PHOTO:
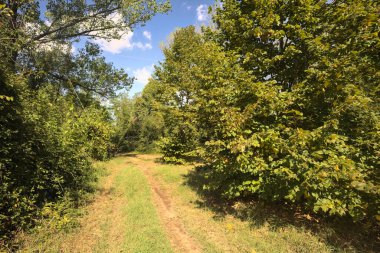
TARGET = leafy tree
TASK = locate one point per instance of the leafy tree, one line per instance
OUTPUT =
(175, 80)
(124, 138)
(297, 140)
(284, 97)
(52, 120)
(271, 37)
(139, 121)
(85, 74)
(69, 20)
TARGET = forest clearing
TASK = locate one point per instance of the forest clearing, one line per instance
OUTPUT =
(189, 126)
(143, 205)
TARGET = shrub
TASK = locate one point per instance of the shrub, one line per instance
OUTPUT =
(45, 152)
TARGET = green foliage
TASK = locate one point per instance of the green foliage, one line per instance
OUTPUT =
(23, 26)
(48, 158)
(177, 86)
(52, 121)
(139, 125)
(284, 100)
(123, 110)
(178, 147)
(93, 128)
(85, 74)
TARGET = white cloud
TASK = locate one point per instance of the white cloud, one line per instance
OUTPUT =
(116, 46)
(73, 49)
(47, 22)
(147, 35)
(143, 74)
(142, 46)
(202, 14)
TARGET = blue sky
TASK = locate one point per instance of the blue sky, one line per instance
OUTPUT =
(138, 52)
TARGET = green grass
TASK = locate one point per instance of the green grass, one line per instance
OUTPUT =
(222, 228)
(137, 221)
(144, 232)
(126, 220)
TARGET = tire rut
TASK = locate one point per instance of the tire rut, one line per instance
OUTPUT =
(177, 234)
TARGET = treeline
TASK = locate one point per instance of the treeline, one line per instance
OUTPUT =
(53, 122)
(280, 99)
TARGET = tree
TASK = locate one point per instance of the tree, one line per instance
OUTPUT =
(51, 116)
(139, 121)
(284, 97)
(298, 137)
(271, 37)
(85, 74)
(65, 21)
(200, 82)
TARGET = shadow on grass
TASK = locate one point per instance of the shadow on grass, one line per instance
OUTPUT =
(184, 160)
(342, 234)
(126, 155)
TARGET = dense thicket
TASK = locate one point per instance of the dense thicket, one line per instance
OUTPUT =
(139, 122)
(52, 121)
(281, 100)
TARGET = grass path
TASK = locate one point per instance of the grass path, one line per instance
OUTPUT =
(145, 206)
(121, 218)
(179, 238)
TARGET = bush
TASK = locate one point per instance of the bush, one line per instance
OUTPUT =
(179, 147)
(45, 153)
(308, 133)
(284, 97)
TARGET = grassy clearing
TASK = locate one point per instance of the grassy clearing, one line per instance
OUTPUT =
(120, 218)
(123, 218)
(250, 227)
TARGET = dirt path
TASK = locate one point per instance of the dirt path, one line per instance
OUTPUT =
(143, 206)
(180, 240)
(131, 212)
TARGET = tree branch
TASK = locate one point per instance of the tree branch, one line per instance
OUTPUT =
(72, 23)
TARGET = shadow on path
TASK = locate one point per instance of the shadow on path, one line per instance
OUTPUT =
(342, 234)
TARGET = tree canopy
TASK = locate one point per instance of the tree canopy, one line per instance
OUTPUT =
(53, 121)
(281, 101)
